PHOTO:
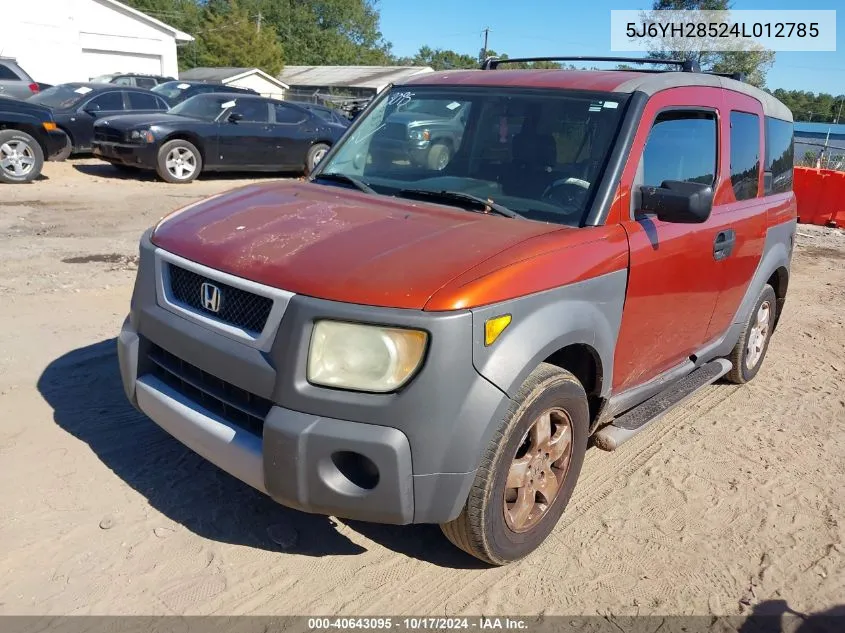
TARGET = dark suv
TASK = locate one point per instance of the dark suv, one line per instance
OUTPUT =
(138, 80)
(28, 137)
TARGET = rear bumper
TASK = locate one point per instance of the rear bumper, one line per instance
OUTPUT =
(143, 156)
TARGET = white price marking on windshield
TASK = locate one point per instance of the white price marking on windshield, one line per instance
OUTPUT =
(83, 90)
(611, 104)
(183, 86)
(228, 104)
(453, 105)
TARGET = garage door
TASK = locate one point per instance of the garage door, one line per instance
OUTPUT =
(97, 62)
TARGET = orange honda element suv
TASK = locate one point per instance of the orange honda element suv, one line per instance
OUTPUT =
(489, 270)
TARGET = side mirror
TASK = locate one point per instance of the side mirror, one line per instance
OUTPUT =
(91, 109)
(678, 201)
(235, 117)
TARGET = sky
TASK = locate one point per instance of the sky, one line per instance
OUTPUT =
(524, 28)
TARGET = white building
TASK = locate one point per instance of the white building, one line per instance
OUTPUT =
(58, 41)
(252, 78)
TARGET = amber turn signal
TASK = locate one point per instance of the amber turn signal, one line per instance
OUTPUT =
(494, 327)
(49, 126)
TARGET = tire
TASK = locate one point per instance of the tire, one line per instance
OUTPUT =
(490, 526)
(438, 156)
(760, 319)
(21, 157)
(189, 168)
(316, 153)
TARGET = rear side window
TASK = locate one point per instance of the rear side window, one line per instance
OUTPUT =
(681, 146)
(745, 154)
(141, 101)
(285, 114)
(123, 81)
(779, 155)
(145, 82)
(7, 73)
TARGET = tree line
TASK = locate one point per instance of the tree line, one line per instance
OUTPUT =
(268, 34)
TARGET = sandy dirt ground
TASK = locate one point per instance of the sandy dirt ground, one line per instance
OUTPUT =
(735, 499)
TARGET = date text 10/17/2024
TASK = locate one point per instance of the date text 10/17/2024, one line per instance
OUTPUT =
(417, 624)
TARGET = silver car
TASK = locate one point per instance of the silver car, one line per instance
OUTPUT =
(14, 81)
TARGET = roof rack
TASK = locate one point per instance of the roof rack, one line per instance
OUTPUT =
(686, 65)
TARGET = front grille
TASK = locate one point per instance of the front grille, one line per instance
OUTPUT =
(396, 131)
(237, 307)
(233, 404)
(108, 135)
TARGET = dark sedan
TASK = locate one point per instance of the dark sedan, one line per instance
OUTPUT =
(178, 91)
(217, 132)
(76, 106)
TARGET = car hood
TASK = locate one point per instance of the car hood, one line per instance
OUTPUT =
(129, 121)
(333, 243)
(417, 118)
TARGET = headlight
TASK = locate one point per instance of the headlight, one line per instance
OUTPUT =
(419, 135)
(364, 357)
(142, 135)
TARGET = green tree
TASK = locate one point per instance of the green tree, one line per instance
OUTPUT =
(440, 59)
(325, 32)
(230, 36)
(754, 63)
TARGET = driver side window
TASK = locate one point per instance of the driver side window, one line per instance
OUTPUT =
(253, 111)
(108, 102)
(681, 146)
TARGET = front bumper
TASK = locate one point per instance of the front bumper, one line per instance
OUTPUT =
(143, 156)
(55, 142)
(406, 457)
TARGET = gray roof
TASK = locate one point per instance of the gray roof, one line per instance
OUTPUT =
(655, 82)
(212, 74)
(375, 77)
(649, 83)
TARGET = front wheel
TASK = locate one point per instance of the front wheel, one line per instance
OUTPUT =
(316, 153)
(179, 161)
(528, 471)
(21, 157)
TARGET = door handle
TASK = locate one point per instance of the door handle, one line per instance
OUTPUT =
(723, 245)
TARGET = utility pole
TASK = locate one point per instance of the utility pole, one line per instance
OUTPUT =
(486, 32)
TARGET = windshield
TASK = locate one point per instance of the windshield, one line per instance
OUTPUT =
(61, 97)
(102, 79)
(539, 153)
(207, 106)
(170, 89)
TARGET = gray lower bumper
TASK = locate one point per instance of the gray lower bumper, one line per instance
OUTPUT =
(302, 461)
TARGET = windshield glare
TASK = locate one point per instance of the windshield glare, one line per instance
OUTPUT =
(539, 153)
(207, 106)
(61, 97)
(168, 89)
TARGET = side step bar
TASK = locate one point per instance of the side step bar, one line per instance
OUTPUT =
(627, 425)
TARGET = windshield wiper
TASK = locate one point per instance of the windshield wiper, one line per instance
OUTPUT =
(487, 205)
(350, 180)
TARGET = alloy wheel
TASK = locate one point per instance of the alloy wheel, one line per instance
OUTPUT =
(17, 158)
(538, 470)
(181, 163)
